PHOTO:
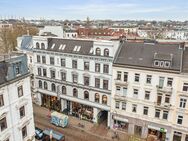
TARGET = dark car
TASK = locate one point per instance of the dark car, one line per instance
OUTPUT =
(38, 133)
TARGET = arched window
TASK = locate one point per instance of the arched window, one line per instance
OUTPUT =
(106, 52)
(97, 97)
(75, 92)
(37, 45)
(40, 84)
(104, 99)
(45, 85)
(64, 91)
(86, 95)
(42, 46)
(98, 51)
(53, 87)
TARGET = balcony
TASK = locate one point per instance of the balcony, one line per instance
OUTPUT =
(120, 97)
(121, 83)
(164, 89)
(162, 105)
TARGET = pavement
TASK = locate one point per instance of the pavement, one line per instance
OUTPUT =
(90, 131)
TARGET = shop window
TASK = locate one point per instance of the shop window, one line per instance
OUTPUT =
(120, 125)
(45, 85)
(20, 91)
(75, 92)
(86, 95)
(106, 52)
(64, 90)
(104, 99)
(1, 101)
(3, 124)
(53, 87)
(97, 97)
(40, 84)
(37, 45)
(98, 51)
(138, 130)
(24, 132)
(42, 46)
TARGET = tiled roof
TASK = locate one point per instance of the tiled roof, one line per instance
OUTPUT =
(142, 54)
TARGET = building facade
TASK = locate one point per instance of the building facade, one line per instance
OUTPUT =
(16, 111)
(149, 91)
(74, 76)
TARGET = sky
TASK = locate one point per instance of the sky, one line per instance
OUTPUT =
(95, 9)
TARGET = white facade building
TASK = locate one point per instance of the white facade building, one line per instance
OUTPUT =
(149, 91)
(16, 111)
(74, 76)
(177, 34)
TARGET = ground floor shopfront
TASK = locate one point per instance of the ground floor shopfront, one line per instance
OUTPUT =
(85, 112)
(141, 128)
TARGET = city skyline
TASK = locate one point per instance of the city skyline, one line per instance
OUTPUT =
(105, 9)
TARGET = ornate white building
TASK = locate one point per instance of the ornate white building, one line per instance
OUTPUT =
(16, 111)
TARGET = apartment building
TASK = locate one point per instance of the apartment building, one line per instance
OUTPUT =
(149, 90)
(74, 76)
(16, 111)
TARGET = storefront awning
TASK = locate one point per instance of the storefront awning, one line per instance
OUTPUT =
(157, 128)
(121, 119)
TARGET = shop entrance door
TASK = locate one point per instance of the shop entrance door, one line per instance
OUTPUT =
(102, 117)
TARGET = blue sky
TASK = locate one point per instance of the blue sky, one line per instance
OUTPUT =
(96, 9)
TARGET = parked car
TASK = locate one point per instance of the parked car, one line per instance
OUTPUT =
(55, 136)
(38, 133)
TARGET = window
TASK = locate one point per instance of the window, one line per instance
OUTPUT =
(167, 98)
(74, 78)
(40, 84)
(125, 76)
(97, 97)
(156, 63)
(22, 112)
(86, 81)
(180, 119)
(3, 124)
(20, 91)
(63, 76)
(75, 92)
(63, 62)
(118, 75)
(134, 108)
(1, 101)
(52, 72)
(42, 46)
(183, 103)
(31, 60)
(118, 89)
(44, 73)
(185, 87)
(37, 45)
(105, 84)
(86, 95)
(123, 106)
(106, 52)
(104, 99)
(38, 58)
(165, 115)
(145, 111)
(137, 77)
(86, 65)
(44, 59)
(147, 95)
(148, 79)
(157, 113)
(97, 82)
(135, 92)
(124, 91)
(74, 64)
(98, 51)
(64, 90)
(45, 85)
(161, 82)
(52, 61)
(97, 67)
(39, 72)
(53, 87)
(117, 104)
(24, 132)
(18, 68)
(106, 68)
(167, 64)
(169, 82)
(159, 99)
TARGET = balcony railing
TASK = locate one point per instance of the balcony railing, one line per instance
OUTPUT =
(120, 97)
(164, 89)
(162, 105)
(120, 82)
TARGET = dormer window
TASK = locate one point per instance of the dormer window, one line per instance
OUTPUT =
(167, 64)
(37, 45)
(161, 63)
(106, 52)
(42, 46)
(98, 51)
(156, 63)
